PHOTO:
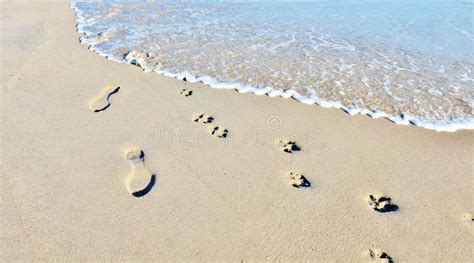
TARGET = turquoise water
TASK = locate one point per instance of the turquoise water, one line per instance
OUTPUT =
(409, 61)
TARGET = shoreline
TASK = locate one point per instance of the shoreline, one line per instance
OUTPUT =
(71, 148)
(137, 59)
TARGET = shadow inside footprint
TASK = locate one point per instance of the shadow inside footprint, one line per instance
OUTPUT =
(102, 102)
(382, 204)
(147, 189)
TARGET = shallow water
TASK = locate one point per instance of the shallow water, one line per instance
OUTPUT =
(404, 60)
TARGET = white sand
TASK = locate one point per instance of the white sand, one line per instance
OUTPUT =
(64, 169)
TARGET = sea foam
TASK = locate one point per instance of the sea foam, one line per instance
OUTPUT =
(406, 62)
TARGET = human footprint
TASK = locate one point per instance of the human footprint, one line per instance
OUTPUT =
(141, 180)
(102, 101)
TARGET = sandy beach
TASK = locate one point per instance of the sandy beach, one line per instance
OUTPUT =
(104, 162)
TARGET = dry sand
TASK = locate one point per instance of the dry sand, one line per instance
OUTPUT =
(68, 172)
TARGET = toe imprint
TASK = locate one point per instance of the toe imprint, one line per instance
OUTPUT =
(288, 146)
(102, 102)
(186, 92)
(141, 180)
(218, 131)
(202, 118)
(379, 256)
(381, 203)
(298, 180)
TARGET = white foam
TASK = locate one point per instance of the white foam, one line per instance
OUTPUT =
(136, 58)
(437, 125)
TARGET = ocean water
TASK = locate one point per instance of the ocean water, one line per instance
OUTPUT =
(407, 61)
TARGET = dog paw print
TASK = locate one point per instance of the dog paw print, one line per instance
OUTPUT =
(298, 180)
(186, 92)
(202, 118)
(218, 131)
(288, 146)
(381, 204)
(378, 255)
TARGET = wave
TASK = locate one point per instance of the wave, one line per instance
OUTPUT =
(133, 52)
